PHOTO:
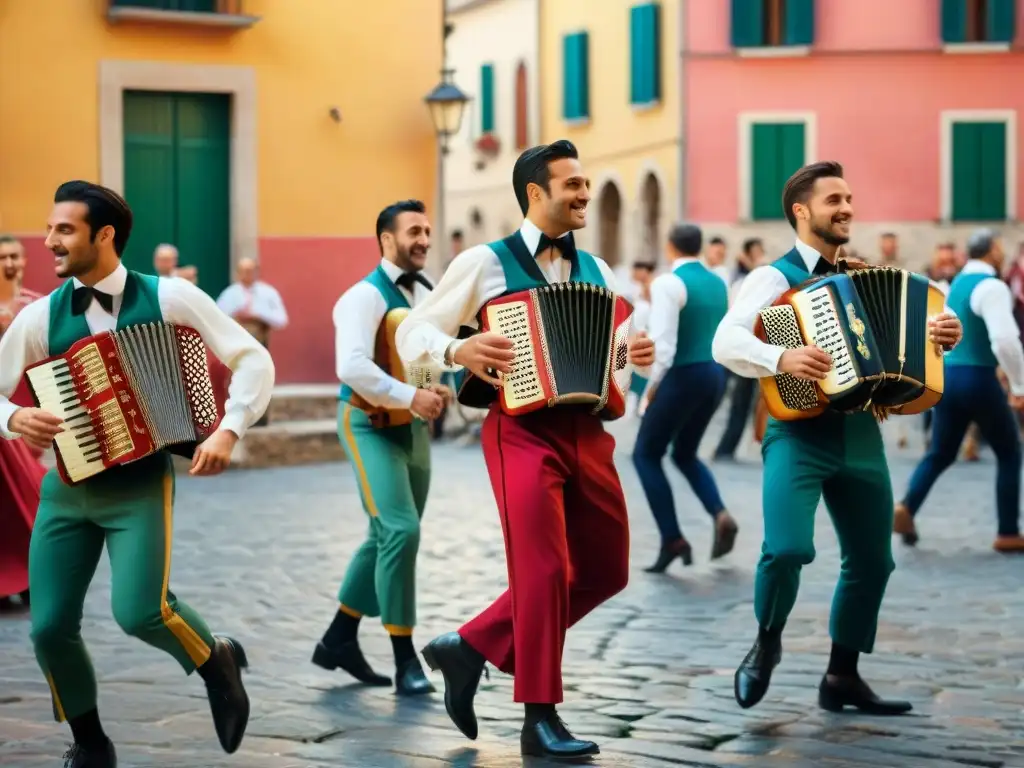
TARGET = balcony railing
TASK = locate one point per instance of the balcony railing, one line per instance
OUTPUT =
(207, 13)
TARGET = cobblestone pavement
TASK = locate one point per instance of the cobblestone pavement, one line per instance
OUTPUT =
(649, 674)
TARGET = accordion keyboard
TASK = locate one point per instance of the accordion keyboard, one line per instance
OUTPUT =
(821, 322)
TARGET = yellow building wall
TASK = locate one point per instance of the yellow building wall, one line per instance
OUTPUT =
(619, 143)
(374, 61)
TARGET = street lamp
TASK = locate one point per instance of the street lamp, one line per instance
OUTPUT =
(446, 103)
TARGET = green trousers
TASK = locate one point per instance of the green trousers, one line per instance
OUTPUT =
(392, 467)
(843, 459)
(130, 509)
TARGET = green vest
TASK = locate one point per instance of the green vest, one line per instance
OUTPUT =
(707, 301)
(975, 348)
(393, 298)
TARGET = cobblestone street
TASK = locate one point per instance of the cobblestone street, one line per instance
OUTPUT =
(649, 675)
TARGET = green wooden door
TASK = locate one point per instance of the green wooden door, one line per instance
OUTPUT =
(177, 149)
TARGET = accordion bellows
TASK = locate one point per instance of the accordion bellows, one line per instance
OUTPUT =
(874, 324)
(569, 340)
(124, 395)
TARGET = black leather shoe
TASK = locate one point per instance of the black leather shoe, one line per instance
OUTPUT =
(410, 679)
(229, 702)
(755, 673)
(670, 551)
(349, 657)
(93, 757)
(835, 693)
(461, 665)
(551, 739)
(725, 535)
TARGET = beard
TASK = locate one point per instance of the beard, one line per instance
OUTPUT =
(830, 237)
(405, 257)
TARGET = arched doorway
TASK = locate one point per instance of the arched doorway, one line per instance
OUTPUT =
(650, 222)
(609, 210)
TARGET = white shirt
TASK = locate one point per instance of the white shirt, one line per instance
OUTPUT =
(473, 278)
(252, 381)
(992, 301)
(357, 316)
(260, 300)
(668, 297)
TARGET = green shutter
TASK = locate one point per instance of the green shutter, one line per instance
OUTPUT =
(979, 172)
(203, 6)
(576, 86)
(777, 151)
(1001, 24)
(487, 98)
(645, 53)
(747, 23)
(954, 21)
(799, 19)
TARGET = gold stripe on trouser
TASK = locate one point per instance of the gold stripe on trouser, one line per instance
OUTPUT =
(396, 631)
(58, 708)
(350, 441)
(194, 645)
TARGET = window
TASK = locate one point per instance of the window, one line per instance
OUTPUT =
(776, 148)
(772, 23)
(576, 76)
(645, 53)
(203, 6)
(979, 166)
(487, 98)
(522, 108)
(978, 21)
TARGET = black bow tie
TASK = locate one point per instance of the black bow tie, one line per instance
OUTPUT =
(408, 280)
(823, 267)
(564, 245)
(82, 297)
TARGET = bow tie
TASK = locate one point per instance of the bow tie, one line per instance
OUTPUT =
(82, 297)
(408, 280)
(823, 267)
(564, 245)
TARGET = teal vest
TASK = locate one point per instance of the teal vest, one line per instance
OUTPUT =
(975, 348)
(707, 301)
(393, 298)
(139, 304)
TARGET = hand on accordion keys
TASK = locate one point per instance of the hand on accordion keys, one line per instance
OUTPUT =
(485, 353)
(37, 427)
(811, 363)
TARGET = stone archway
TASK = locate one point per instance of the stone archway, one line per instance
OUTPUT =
(650, 219)
(609, 211)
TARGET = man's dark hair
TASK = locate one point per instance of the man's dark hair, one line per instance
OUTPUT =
(751, 243)
(980, 243)
(105, 208)
(532, 168)
(5, 238)
(716, 240)
(456, 233)
(799, 186)
(885, 235)
(386, 219)
(687, 239)
(645, 265)
(948, 245)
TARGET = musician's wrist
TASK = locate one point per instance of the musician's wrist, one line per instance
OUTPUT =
(451, 351)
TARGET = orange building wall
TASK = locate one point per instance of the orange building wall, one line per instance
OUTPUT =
(320, 183)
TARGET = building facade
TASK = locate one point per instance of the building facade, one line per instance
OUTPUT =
(611, 86)
(274, 130)
(493, 52)
(917, 99)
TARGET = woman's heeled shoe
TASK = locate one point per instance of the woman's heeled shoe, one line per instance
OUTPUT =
(670, 551)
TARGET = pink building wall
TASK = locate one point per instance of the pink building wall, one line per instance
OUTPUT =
(877, 79)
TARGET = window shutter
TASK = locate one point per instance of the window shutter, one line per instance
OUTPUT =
(487, 98)
(992, 172)
(645, 53)
(747, 23)
(765, 198)
(954, 21)
(576, 89)
(1001, 24)
(799, 20)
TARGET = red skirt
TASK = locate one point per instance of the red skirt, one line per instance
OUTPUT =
(21, 475)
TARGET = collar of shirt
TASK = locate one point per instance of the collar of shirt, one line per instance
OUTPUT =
(808, 254)
(391, 269)
(112, 283)
(977, 266)
(679, 261)
(531, 236)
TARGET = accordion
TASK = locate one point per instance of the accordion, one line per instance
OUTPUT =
(874, 324)
(126, 394)
(569, 341)
(385, 356)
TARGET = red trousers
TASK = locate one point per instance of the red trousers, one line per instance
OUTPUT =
(21, 476)
(566, 532)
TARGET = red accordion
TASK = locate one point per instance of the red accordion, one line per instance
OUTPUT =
(124, 395)
(570, 339)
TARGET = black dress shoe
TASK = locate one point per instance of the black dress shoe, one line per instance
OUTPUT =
(229, 702)
(92, 757)
(349, 657)
(551, 739)
(461, 665)
(725, 535)
(835, 693)
(410, 679)
(670, 551)
(755, 673)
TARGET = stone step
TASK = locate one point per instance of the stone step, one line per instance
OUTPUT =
(289, 443)
(303, 402)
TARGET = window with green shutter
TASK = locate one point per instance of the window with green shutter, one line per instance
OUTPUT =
(201, 6)
(777, 150)
(978, 177)
(645, 53)
(979, 21)
(487, 98)
(576, 76)
(772, 23)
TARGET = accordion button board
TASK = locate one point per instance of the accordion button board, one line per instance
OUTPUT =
(823, 329)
